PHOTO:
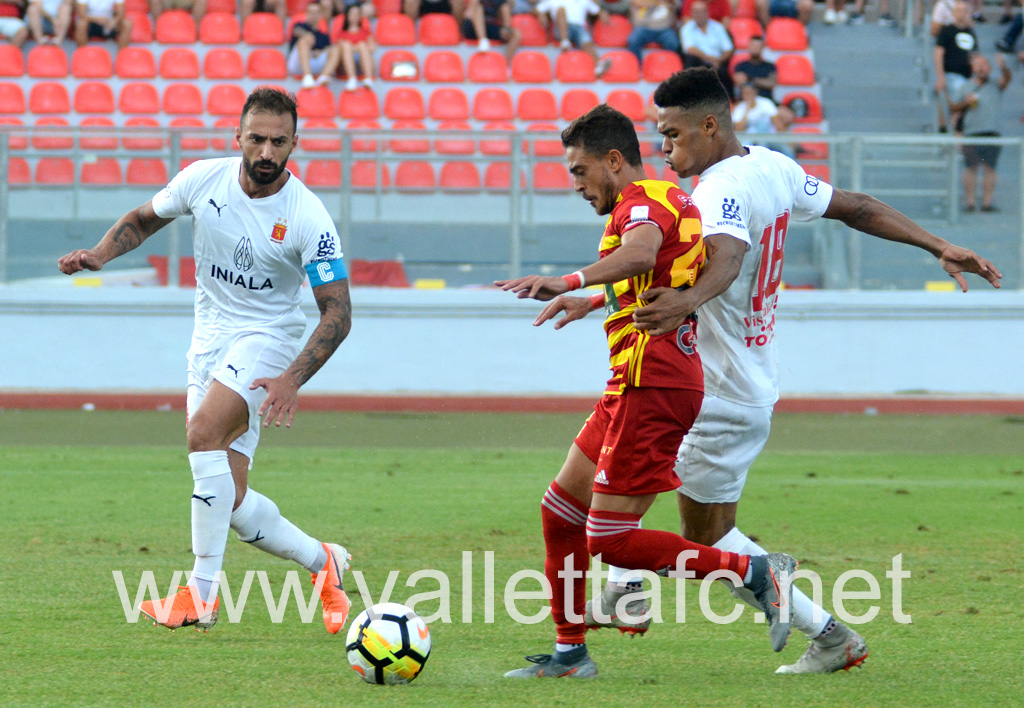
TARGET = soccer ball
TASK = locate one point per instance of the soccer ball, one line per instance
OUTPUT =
(388, 643)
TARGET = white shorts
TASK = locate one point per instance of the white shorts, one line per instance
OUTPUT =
(317, 62)
(10, 26)
(236, 365)
(719, 449)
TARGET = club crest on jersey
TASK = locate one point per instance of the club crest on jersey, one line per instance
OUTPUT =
(686, 338)
(244, 258)
(277, 235)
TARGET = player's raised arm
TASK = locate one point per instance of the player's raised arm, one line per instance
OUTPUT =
(126, 235)
(865, 213)
(335, 322)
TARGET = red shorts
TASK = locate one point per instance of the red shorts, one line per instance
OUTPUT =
(634, 438)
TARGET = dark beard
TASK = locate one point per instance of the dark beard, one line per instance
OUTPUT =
(250, 169)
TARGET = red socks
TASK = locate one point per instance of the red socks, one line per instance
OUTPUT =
(564, 518)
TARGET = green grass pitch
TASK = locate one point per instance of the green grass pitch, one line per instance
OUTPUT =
(84, 494)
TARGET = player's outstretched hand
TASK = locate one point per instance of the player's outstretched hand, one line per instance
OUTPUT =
(282, 400)
(575, 308)
(666, 311)
(956, 261)
(82, 259)
(538, 287)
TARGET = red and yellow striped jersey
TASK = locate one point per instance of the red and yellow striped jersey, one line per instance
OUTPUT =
(637, 358)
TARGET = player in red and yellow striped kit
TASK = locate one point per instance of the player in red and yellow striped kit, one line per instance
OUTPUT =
(625, 454)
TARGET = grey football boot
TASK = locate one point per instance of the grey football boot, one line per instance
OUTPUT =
(773, 591)
(575, 663)
(627, 623)
(839, 650)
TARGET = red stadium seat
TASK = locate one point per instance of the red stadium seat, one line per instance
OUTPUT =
(143, 133)
(498, 176)
(230, 126)
(366, 174)
(794, 70)
(94, 97)
(497, 146)
(820, 171)
(416, 175)
(358, 104)
(105, 170)
(52, 140)
(659, 64)
(316, 102)
(356, 127)
(323, 173)
(533, 34)
(443, 66)
(537, 104)
(575, 67)
(492, 104)
(139, 98)
(135, 63)
(742, 29)
(47, 61)
(183, 99)
(785, 34)
(17, 139)
(91, 62)
(448, 104)
(179, 63)
(18, 171)
(223, 63)
(810, 151)
(745, 8)
(266, 64)
(651, 171)
(399, 65)
(629, 102)
(150, 171)
(49, 97)
(227, 100)
(221, 6)
(454, 146)
(220, 28)
(625, 69)
(175, 27)
(460, 176)
(576, 102)
(805, 105)
(551, 176)
(142, 27)
(488, 68)
(263, 28)
(12, 98)
(404, 103)
(319, 144)
(407, 144)
(614, 33)
(55, 170)
(188, 142)
(438, 30)
(544, 147)
(387, 7)
(531, 67)
(12, 63)
(395, 31)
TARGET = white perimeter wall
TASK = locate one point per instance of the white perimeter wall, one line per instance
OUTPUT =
(482, 342)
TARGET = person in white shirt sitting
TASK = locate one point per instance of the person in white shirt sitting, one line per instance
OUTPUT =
(570, 18)
(706, 42)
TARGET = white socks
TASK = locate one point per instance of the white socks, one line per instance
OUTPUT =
(258, 521)
(803, 607)
(213, 495)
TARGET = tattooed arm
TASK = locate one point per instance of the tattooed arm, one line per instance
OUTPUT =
(127, 234)
(335, 322)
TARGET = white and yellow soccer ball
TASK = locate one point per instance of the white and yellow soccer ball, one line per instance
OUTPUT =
(388, 643)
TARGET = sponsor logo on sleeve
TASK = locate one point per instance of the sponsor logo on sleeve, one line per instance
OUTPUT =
(730, 210)
(325, 249)
(811, 186)
(639, 213)
(280, 228)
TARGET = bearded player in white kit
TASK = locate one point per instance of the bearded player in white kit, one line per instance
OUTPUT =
(746, 197)
(258, 234)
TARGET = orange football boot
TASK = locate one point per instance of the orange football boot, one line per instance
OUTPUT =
(332, 594)
(183, 611)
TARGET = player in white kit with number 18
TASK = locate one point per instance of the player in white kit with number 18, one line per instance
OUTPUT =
(258, 234)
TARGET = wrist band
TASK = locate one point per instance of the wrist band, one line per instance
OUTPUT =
(575, 280)
(597, 300)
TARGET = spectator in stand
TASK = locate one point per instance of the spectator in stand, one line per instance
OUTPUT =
(954, 46)
(719, 10)
(884, 18)
(49, 20)
(491, 20)
(980, 99)
(756, 70)
(278, 7)
(102, 19)
(570, 18)
(654, 21)
(12, 27)
(355, 39)
(1008, 43)
(340, 7)
(707, 43)
(196, 7)
(418, 8)
(942, 15)
(310, 50)
(754, 113)
(802, 10)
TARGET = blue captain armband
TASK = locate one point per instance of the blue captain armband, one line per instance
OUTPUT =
(326, 272)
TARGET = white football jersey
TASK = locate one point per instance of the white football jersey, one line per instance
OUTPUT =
(751, 198)
(252, 255)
